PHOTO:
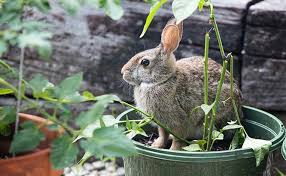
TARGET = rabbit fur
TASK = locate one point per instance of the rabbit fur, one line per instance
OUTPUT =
(170, 89)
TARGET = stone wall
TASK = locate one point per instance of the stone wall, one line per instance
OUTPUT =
(264, 58)
(91, 42)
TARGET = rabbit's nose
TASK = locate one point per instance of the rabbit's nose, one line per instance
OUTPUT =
(123, 69)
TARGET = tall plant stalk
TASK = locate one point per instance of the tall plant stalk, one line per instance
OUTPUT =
(222, 77)
(206, 80)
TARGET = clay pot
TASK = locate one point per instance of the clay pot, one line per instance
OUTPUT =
(35, 163)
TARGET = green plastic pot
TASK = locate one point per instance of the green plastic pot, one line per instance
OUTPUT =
(240, 162)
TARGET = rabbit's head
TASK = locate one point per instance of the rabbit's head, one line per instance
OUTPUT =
(155, 65)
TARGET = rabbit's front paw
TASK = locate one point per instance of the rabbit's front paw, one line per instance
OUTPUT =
(160, 142)
(177, 145)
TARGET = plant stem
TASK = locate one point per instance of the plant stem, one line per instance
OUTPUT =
(232, 95)
(232, 90)
(19, 97)
(135, 108)
(206, 86)
(154, 120)
(217, 99)
(214, 23)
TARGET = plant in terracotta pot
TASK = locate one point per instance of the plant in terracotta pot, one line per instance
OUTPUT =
(33, 145)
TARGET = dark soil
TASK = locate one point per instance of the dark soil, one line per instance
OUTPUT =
(218, 145)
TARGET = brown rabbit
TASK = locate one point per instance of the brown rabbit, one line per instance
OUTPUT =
(171, 89)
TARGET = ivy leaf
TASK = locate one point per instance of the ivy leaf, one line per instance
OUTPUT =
(182, 9)
(207, 108)
(152, 13)
(110, 142)
(71, 6)
(64, 152)
(260, 148)
(26, 139)
(40, 86)
(193, 148)
(69, 86)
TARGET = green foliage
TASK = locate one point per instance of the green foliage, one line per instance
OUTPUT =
(96, 112)
(152, 13)
(207, 108)
(64, 152)
(259, 146)
(134, 129)
(237, 140)
(68, 89)
(7, 116)
(40, 86)
(182, 9)
(193, 148)
(71, 6)
(26, 139)
(109, 142)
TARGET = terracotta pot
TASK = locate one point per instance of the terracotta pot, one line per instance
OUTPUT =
(35, 163)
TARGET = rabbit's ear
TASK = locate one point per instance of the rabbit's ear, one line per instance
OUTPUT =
(171, 36)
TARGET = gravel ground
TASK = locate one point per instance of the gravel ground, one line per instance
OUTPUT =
(97, 168)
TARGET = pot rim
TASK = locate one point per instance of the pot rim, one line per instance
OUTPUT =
(211, 156)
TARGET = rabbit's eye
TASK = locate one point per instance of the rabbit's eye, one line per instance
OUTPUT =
(145, 62)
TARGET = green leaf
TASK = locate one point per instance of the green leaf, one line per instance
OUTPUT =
(5, 129)
(6, 91)
(96, 112)
(3, 47)
(260, 148)
(88, 96)
(64, 152)
(135, 130)
(152, 13)
(87, 132)
(113, 9)
(232, 122)
(231, 127)
(74, 98)
(216, 135)
(193, 148)
(237, 139)
(207, 108)
(201, 5)
(110, 142)
(182, 9)
(7, 115)
(42, 5)
(40, 86)
(38, 40)
(26, 139)
(69, 86)
(71, 6)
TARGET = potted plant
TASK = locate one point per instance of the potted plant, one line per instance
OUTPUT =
(47, 143)
(245, 155)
